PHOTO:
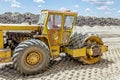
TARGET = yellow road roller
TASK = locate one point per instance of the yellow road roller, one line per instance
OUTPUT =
(31, 47)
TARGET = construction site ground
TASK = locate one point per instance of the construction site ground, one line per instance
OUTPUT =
(108, 68)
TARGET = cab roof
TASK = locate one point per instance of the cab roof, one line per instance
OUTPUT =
(59, 12)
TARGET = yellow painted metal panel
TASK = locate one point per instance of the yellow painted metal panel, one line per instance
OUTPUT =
(79, 52)
(5, 55)
(59, 12)
(69, 51)
(104, 48)
(1, 40)
(19, 27)
(45, 24)
(55, 51)
(76, 52)
(90, 52)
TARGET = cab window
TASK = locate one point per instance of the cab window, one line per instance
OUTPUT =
(42, 18)
(54, 22)
(68, 22)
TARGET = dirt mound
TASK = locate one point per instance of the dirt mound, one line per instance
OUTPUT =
(92, 21)
(16, 17)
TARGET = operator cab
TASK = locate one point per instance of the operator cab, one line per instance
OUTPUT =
(58, 25)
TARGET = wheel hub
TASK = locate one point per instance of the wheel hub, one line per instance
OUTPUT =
(33, 58)
(96, 51)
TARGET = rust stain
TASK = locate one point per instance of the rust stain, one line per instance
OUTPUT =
(66, 36)
(54, 37)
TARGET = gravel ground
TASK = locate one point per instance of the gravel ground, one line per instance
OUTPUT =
(70, 69)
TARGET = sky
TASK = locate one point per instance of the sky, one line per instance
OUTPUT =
(98, 8)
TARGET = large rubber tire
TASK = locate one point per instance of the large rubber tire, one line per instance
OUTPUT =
(24, 49)
(77, 42)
